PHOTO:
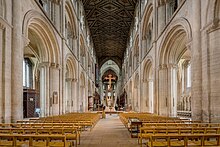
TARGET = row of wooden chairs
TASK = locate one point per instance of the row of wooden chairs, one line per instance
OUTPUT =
(14, 140)
(183, 140)
(181, 124)
(65, 127)
(145, 132)
(150, 118)
(70, 133)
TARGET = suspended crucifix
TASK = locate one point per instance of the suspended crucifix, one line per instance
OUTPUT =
(110, 78)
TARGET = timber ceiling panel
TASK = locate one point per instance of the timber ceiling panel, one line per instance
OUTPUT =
(109, 22)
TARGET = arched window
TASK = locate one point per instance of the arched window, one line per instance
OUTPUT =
(27, 73)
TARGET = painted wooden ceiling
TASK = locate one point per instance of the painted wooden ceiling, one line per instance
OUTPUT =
(109, 22)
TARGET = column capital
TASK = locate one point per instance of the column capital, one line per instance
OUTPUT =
(163, 66)
(44, 64)
(161, 2)
(69, 79)
(58, 2)
(144, 80)
(172, 65)
(54, 65)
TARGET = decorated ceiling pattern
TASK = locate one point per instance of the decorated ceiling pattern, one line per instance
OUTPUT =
(109, 22)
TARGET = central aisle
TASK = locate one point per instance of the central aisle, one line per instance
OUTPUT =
(109, 132)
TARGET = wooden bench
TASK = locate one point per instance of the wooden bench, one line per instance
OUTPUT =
(146, 131)
(70, 133)
(184, 140)
(34, 140)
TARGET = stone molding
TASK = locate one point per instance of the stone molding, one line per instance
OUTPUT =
(2, 26)
(44, 64)
(26, 41)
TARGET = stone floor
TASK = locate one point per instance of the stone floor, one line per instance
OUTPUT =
(109, 132)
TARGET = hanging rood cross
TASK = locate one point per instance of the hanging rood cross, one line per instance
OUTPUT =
(110, 78)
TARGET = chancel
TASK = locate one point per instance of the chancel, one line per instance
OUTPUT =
(63, 63)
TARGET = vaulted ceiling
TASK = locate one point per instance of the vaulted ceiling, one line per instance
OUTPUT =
(109, 22)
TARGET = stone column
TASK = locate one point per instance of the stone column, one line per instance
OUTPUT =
(74, 97)
(151, 95)
(196, 62)
(172, 89)
(163, 90)
(144, 99)
(68, 96)
(17, 62)
(1, 72)
(44, 89)
(54, 78)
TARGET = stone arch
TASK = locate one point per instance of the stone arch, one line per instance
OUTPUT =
(213, 12)
(136, 53)
(41, 38)
(148, 86)
(180, 29)
(69, 10)
(82, 51)
(35, 22)
(146, 19)
(147, 29)
(71, 64)
(115, 59)
(70, 101)
(172, 50)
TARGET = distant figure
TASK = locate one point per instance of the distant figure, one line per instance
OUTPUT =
(37, 112)
(103, 112)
